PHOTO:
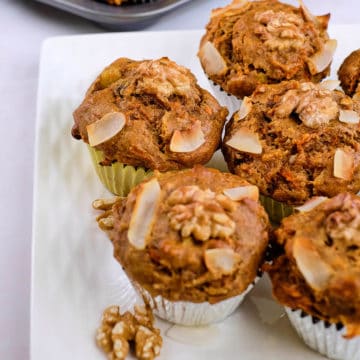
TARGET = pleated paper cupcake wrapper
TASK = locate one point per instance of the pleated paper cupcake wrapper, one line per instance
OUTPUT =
(327, 341)
(275, 209)
(225, 99)
(118, 178)
(192, 314)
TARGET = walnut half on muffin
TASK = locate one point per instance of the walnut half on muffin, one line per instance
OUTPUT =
(248, 43)
(193, 236)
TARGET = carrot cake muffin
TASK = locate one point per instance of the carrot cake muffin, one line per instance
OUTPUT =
(349, 73)
(248, 43)
(150, 114)
(295, 141)
(317, 275)
(192, 241)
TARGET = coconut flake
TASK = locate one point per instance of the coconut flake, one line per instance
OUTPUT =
(245, 140)
(329, 84)
(315, 271)
(349, 116)
(211, 59)
(143, 214)
(307, 14)
(311, 204)
(343, 164)
(188, 140)
(245, 108)
(322, 59)
(241, 192)
(105, 128)
(221, 261)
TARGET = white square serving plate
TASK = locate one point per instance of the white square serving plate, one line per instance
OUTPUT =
(74, 275)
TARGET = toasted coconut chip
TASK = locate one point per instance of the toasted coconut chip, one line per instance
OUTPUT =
(311, 204)
(245, 140)
(329, 84)
(349, 116)
(315, 271)
(322, 59)
(189, 140)
(307, 14)
(211, 59)
(245, 108)
(241, 192)
(221, 261)
(343, 164)
(105, 128)
(143, 214)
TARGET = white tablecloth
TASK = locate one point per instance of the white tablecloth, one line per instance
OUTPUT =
(24, 25)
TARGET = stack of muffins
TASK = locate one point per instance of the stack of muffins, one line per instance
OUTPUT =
(193, 239)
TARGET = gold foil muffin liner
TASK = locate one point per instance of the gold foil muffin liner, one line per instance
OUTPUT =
(275, 209)
(327, 341)
(192, 314)
(117, 178)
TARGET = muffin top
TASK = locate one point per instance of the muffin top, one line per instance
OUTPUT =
(193, 235)
(296, 140)
(349, 73)
(319, 271)
(262, 42)
(150, 113)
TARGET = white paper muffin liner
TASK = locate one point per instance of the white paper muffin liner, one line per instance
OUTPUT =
(192, 314)
(327, 341)
(225, 99)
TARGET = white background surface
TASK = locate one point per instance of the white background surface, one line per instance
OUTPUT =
(24, 25)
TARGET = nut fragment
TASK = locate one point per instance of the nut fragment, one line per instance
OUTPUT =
(241, 192)
(322, 59)
(147, 343)
(105, 204)
(199, 213)
(189, 140)
(349, 116)
(211, 59)
(343, 164)
(245, 108)
(311, 204)
(116, 330)
(245, 140)
(315, 271)
(105, 128)
(221, 261)
(143, 213)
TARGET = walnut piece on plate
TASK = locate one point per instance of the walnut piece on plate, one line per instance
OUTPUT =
(118, 332)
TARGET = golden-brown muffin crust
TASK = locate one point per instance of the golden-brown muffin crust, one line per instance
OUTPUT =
(319, 271)
(264, 42)
(299, 135)
(157, 98)
(193, 216)
(349, 73)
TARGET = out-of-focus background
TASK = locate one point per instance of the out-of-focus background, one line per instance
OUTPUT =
(24, 26)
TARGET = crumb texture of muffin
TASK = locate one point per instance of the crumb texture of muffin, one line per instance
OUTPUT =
(318, 271)
(295, 141)
(204, 241)
(349, 73)
(150, 114)
(248, 43)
